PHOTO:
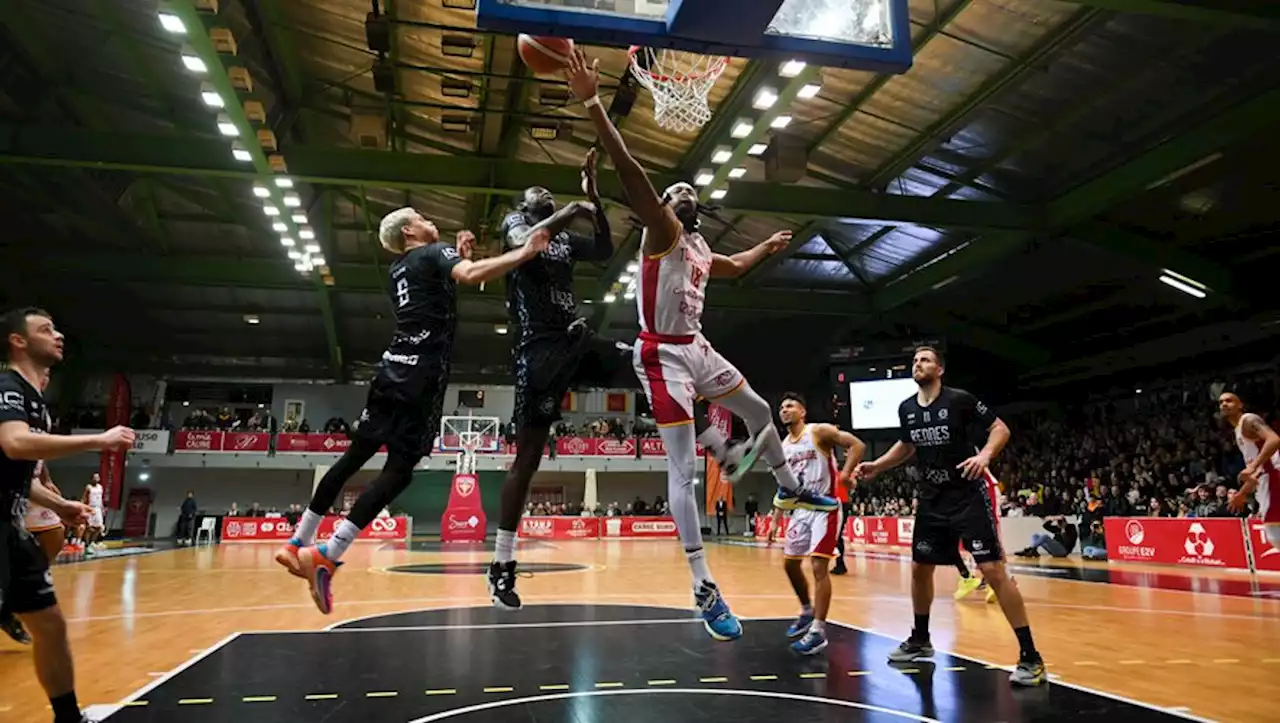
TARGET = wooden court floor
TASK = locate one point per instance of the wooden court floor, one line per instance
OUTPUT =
(132, 619)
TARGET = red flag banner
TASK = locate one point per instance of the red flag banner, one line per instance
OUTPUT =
(111, 464)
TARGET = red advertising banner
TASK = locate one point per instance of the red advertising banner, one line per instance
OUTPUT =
(111, 464)
(297, 443)
(310, 444)
(464, 519)
(1200, 541)
(246, 442)
(136, 512)
(1265, 557)
(612, 447)
(576, 447)
(278, 529)
(893, 531)
(560, 528)
(652, 447)
(640, 527)
(764, 524)
(190, 440)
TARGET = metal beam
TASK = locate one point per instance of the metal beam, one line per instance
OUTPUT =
(39, 145)
(798, 241)
(1262, 15)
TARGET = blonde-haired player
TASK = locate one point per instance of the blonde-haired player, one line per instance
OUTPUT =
(1260, 446)
(813, 534)
(673, 360)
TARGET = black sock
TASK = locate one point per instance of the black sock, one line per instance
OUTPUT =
(65, 708)
(963, 569)
(1026, 645)
(921, 629)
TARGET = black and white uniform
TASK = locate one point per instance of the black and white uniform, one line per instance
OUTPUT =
(25, 582)
(555, 349)
(406, 397)
(952, 509)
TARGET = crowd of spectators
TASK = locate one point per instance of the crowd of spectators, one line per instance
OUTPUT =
(637, 507)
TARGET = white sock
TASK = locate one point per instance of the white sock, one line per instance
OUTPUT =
(698, 565)
(342, 538)
(818, 626)
(505, 549)
(713, 439)
(806, 609)
(305, 532)
(756, 412)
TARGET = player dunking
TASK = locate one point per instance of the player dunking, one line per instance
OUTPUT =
(1260, 446)
(941, 426)
(406, 397)
(555, 349)
(810, 453)
(674, 362)
(34, 345)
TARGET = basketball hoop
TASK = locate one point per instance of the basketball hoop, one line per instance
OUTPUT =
(680, 82)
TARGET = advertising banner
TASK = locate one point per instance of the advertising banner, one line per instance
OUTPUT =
(259, 529)
(464, 519)
(1199, 541)
(560, 528)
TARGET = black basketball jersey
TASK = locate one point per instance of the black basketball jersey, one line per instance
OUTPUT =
(425, 298)
(945, 433)
(19, 402)
(540, 294)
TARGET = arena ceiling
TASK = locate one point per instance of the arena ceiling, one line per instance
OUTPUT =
(1019, 191)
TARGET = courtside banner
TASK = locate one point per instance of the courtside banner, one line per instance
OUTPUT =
(246, 442)
(640, 527)
(893, 531)
(1198, 541)
(560, 528)
(764, 523)
(192, 440)
(278, 529)
(1265, 557)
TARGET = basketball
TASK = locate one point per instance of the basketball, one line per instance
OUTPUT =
(543, 54)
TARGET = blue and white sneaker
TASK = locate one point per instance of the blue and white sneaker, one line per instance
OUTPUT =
(720, 623)
(812, 643)
(800, 626)
(804, 499)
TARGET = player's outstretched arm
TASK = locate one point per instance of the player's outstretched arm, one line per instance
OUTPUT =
(584, 81)
(19, 442)
(742, 262)
(69, 510)
(900, 452)
(474, 273)
(601, 246)
(829, 436)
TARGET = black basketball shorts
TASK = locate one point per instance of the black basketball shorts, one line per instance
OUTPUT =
(407, 424)
(548, 365)
(26, 584)
(940, 529)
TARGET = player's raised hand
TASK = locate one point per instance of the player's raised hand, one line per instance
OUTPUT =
(865, 470)
(466, 243)
(117, 438)
(589, 188)
(582, 75)
(777, 242)
(974, 467)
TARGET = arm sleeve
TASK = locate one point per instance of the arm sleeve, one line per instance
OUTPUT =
(904, 434)
(981, 414)
(443, 257)
(598, 247)
(13, 400)
(512, 230)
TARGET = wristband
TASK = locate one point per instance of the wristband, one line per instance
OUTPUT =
(592, 102)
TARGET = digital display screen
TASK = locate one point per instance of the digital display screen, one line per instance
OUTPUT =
(874, 404)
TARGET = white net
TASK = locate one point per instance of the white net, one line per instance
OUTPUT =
(680, 82)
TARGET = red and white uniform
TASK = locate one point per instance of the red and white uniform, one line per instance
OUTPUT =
(95, 501)
(1268, 477)
(40, 519)
(811, 533)
(674, 362)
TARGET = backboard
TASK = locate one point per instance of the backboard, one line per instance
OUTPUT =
(872, 35)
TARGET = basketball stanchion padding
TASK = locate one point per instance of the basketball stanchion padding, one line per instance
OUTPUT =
(543, 54)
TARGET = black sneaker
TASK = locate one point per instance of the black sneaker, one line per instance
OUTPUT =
(911, 650)
(12, 627)
(502, 585)
(840, 568)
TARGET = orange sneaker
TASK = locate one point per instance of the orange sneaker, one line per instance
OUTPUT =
(318, 570)
(288, 558)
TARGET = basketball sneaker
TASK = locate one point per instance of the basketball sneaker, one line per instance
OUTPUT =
(911, 650)
(840, 568)
(812, 643)
(13, 627)
(804, 499)
(287, 556)
(720, 623)
(967, 585)
(502, 585)
(800, 626)
(738, 458)
(318, 571)
(1029, 673)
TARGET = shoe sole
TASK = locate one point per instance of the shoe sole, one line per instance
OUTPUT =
(747, 462)
(319, 578)
(290, 563)
(913, 658)
(812, 651)
(1032, 683)
(718, 636)
(497, 603)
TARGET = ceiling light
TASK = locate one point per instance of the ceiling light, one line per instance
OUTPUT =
(295, 255)
(226, 127)
(279, 227)
(194, 63)
(299, 217)
(610, 298)
(633, 267)
(1184, 279)
(738, 172)
(781, 121)
(286, 242)
(317, 260)
(1183, 287)
(212, 99)
(791, 68)
(544, 131)
(270, 210)
(704, 178)
(240, 154)
(765, 98)
(252, 319)
(718, 194)
(624, 279)
(292, 200)
(261, 191)
(306, 233)
(172, 23)
(284, 182)
(722, 155)
(808, 90)
(757, 149)
(742, 129)
(312, 248)
(500, 328)
(302, 266)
